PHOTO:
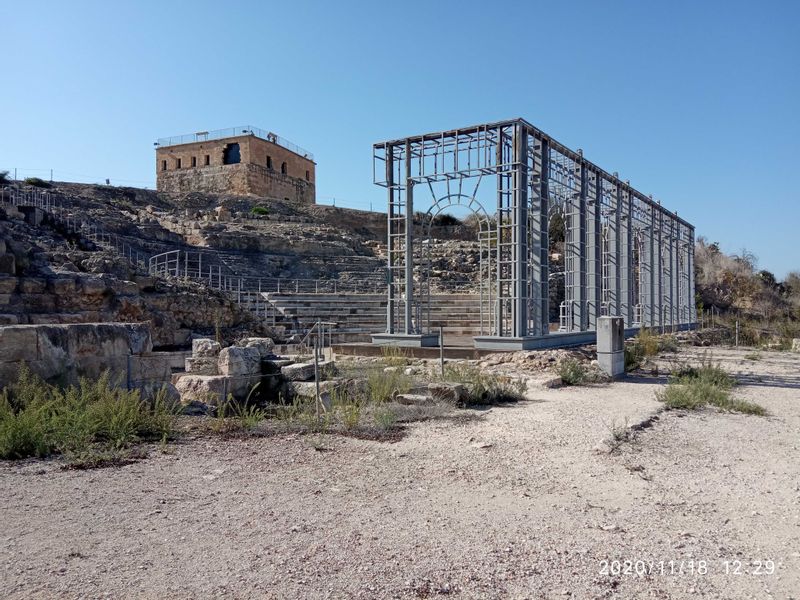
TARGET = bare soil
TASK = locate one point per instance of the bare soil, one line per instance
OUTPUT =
(518, 502)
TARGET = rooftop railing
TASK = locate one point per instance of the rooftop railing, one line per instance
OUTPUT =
(218, 134)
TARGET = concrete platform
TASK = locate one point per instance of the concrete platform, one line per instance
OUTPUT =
(406, 340)
(450, 352)
(552, 340)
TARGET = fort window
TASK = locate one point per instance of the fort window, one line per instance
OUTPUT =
(194, 161)
(177, 163)
(308, 175)
(208, 159)
(231, 155)
(283, 168)
(269, 163)
(163, 165)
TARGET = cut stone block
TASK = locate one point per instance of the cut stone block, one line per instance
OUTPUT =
(207, 389)
(202, 365)
(8, 285)
(235, 361)
(18, 343)
(299, 372)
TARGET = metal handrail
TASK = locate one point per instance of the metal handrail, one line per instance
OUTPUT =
(219, 134)
(319, 328)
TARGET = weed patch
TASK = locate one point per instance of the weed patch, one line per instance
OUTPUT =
(693, 388)
(485, 388)
(38, 419)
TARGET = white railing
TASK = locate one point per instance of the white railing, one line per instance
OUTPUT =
(59, 213)
(204, 267)
(319, 337)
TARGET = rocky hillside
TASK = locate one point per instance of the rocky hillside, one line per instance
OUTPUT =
(89, 260)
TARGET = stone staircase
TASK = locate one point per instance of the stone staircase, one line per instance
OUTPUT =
(360, 315)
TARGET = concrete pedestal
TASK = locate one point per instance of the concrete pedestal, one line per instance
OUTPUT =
(611, 346)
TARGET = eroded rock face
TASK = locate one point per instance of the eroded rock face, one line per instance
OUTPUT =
(796, 345)
(164, 389)
(452, 393)
(236, 361)
(205, 389)
(205, 347)
(265, 346)
(66, 352)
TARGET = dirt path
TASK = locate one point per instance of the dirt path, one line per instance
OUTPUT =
(513, 504)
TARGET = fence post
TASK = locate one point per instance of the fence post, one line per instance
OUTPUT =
(316, 377)
(737, 333)
(441, 349)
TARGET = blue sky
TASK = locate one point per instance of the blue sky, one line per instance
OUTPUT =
(694, 102)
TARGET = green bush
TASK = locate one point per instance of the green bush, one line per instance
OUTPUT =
(485, 388)
(572, 372)
(259, 211)
(708, 373)
(37, 182)
(38, 419)
(645, 345)
(4, 179)
(667, 343)
(445, 220)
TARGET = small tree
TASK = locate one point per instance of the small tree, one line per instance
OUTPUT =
(4, 178)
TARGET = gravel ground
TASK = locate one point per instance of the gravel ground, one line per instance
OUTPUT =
(517, 502)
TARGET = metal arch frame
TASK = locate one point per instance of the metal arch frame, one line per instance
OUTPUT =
(485, 238)
(533, 170)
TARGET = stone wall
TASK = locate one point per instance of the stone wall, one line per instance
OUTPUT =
(63, 353)
(259, 172)
(173, 312)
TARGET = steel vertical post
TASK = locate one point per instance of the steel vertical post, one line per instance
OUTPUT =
(390, 300)
(520, 166)
(614, 247)
(626, 257)
(577, 226)
(658, 305)
(539, 252)
(594, 283)
(409, 325)
(690, 270)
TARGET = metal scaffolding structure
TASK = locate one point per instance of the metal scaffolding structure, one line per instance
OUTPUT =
(625, 254)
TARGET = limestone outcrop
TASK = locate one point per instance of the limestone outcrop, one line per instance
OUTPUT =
(67, 352)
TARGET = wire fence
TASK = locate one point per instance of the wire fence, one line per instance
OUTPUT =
(20, 174)
(218, 134)
(740, 330)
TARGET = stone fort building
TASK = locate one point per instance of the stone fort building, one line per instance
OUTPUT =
(238, 160)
